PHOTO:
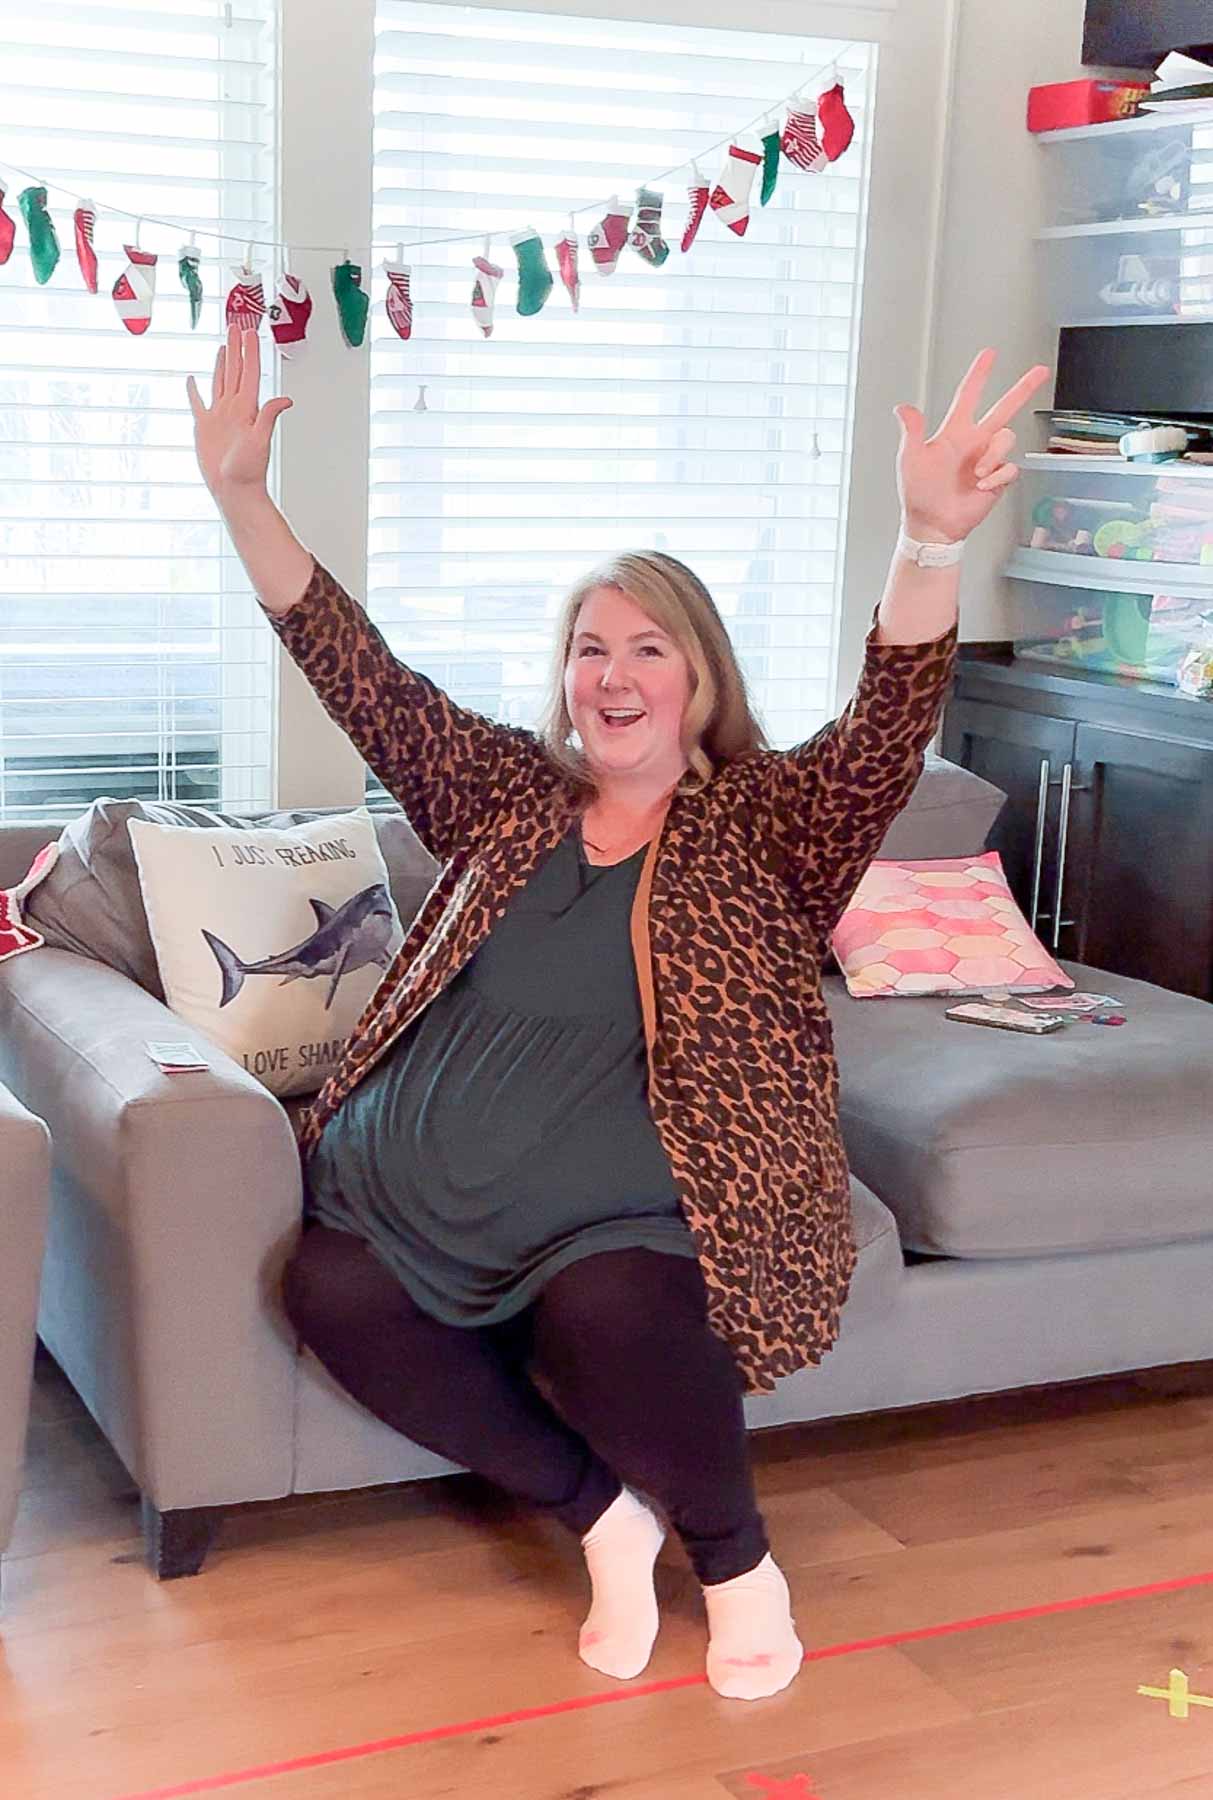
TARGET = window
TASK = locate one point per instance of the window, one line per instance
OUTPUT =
(133, 659)
(701, 407)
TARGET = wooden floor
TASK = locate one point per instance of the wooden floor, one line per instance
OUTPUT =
(343, 1626)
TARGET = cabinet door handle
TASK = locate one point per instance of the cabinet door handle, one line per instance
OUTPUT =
(1042, 802)
(1063, 832)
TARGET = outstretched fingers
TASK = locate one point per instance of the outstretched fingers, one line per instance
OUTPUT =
(1014, 398)
(250, 368)
(996, 452)
(964, 401)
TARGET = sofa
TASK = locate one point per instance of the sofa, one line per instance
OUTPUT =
(1026, 1210)
(25, 1163)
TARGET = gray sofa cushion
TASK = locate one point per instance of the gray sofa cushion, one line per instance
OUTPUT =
(950, 813)
(983, 1144)
(92, 903)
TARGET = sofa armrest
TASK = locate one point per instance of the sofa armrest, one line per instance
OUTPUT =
(24, 1177)
(175, 1202)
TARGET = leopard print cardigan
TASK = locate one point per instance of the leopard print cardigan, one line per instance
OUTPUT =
(740, 890)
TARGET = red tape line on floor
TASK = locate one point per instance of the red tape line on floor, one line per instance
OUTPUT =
(213, 1784)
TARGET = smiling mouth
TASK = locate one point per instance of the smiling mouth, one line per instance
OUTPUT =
(610, 724)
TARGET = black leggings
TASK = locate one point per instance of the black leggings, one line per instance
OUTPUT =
(650, 1394)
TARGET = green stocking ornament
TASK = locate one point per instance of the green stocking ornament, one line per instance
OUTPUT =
(191, 280)
(352, 304)
(43, 243)
(770, 164)
(534, 276)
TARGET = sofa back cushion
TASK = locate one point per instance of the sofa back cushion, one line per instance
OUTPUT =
(950, 813)
(91, 902)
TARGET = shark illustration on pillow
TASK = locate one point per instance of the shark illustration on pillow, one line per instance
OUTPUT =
(346, 938)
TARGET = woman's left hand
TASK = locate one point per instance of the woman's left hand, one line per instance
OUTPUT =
(950, 482)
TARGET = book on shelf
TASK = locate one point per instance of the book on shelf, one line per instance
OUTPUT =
(1075, 446)
(1182, 87)
(1099, 434)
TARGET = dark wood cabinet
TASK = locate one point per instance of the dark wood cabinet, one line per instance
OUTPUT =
(1107, 834)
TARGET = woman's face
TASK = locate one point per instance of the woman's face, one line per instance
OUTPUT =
(620, 658)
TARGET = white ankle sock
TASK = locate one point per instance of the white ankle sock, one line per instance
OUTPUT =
(620, 1550)
(753, 1649)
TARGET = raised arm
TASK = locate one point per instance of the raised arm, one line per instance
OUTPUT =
(443, 762)
(835, 796)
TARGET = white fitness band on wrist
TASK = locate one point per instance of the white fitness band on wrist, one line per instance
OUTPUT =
(929, 556)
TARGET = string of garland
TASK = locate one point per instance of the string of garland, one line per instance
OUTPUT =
(813, 135)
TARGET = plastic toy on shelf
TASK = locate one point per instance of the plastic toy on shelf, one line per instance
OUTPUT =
(1144, 636)
(1166, 528)
(1070, 525)
(1195, 676)
(1149, 283)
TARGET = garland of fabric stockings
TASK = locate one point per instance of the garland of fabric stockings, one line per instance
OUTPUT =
(812, 137)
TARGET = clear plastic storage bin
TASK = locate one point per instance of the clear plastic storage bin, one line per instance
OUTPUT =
(1128, 211)
(1144, 636)
(1115, 566)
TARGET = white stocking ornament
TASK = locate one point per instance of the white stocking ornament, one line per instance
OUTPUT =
(730, 199)
(399, 297)
(135, 290)
(484, 292)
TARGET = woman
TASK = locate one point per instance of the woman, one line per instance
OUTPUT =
(587, 1126)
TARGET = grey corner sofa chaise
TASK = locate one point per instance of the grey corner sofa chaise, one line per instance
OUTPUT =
(1027, 1211)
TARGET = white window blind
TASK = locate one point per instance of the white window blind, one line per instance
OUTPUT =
(133, 659)
(702, 408)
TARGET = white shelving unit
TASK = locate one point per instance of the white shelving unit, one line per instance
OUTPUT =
(1062, 460)
(1103, 261)
(1139, 126)
(1189, 581)
(1175, 223)
(1114, 247)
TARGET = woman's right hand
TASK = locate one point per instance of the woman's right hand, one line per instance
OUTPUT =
(232, 435)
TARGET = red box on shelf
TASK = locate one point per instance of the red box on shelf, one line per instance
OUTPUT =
(1086, 102)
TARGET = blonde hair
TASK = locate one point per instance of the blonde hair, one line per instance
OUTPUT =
(719, 722)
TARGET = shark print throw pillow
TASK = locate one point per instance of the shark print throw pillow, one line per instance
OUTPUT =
(270, 942)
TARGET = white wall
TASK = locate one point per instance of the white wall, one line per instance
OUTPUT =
(948, 268)
(324, 453)
(987, 291)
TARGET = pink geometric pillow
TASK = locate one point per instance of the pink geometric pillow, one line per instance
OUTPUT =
(945, 927)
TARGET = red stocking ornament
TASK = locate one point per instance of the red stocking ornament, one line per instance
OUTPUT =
(837, 125)
(801, 144)
(289, 315)
(697, 194)
(8, 231)
(608, 237)
(86, 256)
(566, 262)
(246, 302)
